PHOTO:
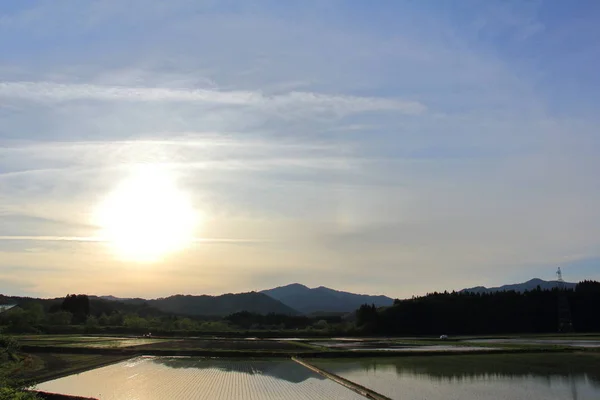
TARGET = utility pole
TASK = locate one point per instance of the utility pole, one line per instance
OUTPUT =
(564, 311)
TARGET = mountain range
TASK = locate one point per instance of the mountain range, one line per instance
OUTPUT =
(293, 299)
(205, 305)
(323, 299)
(521, 287)
(222, 305)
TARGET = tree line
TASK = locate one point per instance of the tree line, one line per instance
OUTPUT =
(78, 313)
(535, 311)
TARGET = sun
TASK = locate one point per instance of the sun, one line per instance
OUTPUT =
(147, 216)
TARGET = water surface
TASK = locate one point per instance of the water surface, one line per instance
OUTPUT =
(550, 342)
(382, 345)
(181, 378)
(477, 377)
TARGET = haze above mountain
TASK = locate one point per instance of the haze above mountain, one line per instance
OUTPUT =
(521, 287)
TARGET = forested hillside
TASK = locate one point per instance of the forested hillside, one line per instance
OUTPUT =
(533, 311)
(221, 305)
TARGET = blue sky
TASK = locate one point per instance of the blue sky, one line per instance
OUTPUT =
(394, 147)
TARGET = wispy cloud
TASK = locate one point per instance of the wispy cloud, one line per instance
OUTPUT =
(52, 238)
(339, 104)
(98, 239)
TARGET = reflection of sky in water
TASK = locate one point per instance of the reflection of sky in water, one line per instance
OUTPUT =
(194, 378)
(435, 378)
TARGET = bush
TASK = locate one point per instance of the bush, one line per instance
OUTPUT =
(9, 393)
(9, 360)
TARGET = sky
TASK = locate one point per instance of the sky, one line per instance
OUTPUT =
(390, 147)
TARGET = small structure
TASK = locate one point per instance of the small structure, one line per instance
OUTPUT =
(6, 307)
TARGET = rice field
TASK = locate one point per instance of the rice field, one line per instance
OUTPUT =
(387, 345)
(541, 375)
(117, 343)
(175, 378)
(224, 344)
(475, 377)
(539, 341)
(87, 341)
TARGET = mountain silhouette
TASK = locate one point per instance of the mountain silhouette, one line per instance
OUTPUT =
(323, 299)
(521, 287)
(222, 305)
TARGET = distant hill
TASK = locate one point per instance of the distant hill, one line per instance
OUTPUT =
(521, 287)
(220, 305)
(98, 305)
(322, 299)
(112, 298)
(179, 304)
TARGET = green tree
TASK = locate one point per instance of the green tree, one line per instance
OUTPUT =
(34, 313)
(116, 319)
(366, 315)
(91, 322)
(60, 318)
(321, 324)
(104, 320)
(135, 322)
(186, 324)
(214, 326)
(78, 305)
(17, 320)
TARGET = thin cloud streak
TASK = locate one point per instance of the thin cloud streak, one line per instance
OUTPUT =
(184, 139)
(97, 239)
(60, 92)
(53, 238)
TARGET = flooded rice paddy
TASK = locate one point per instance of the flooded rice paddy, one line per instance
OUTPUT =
(149, 378)
(477, 377)
(556, 342)
(551, 376)
(382, 345)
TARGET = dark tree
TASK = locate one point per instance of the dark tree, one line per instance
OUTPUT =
(78, 305)
(533, 311)
(366, 315)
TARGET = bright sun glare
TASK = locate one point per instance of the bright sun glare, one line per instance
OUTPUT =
(147, 216)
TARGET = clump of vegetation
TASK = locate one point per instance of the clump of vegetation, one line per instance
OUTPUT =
(10, 361)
